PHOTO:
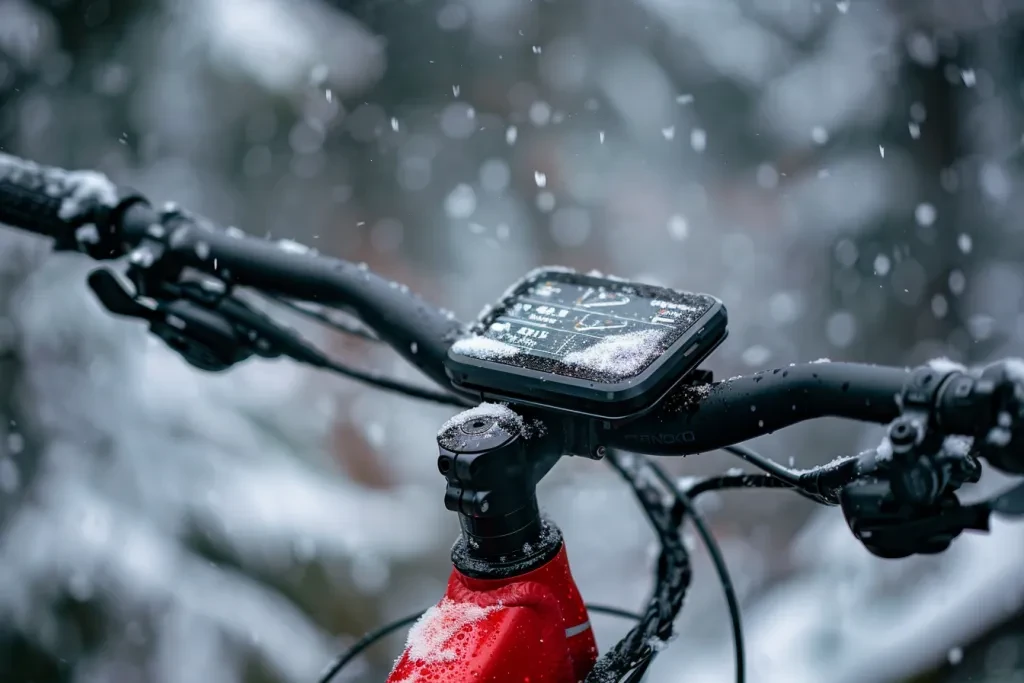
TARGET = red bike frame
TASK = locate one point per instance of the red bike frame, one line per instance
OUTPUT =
(532, 628)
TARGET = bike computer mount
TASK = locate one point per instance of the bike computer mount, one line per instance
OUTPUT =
(529, 355)
(585, 344)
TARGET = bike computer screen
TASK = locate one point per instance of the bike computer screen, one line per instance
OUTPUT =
(561, 337)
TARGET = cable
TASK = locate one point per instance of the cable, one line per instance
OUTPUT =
(685, 499)
(672, 578)
(303, 351)
(791, 477)
(735, 481)
(384, 631)
(365, 642)
(819, 484)
(614, 611)
(320, 314)
(389, 384)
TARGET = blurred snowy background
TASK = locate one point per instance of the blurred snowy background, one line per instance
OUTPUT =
(845, 175)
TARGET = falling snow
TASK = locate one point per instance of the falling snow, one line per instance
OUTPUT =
(779, 206)
(698, 139)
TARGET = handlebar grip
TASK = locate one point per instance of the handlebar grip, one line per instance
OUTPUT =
(51, 201)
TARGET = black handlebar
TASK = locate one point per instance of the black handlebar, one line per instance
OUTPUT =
(696, 419)
(83, 210)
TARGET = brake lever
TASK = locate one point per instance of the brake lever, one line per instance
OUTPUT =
(206, 338)
(904, 500)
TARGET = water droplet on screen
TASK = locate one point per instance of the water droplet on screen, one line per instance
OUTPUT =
(540, 178)
(669, 132)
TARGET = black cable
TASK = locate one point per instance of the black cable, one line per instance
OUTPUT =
(297, 348)
(384, 631)
(614, 611)
(319, 313)
(365, 642)
(685, 499)
(672, 578)
(791, 477)
(389, 384)
(820, 484)
(735, 481)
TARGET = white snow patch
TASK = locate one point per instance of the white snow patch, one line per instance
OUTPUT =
(945, 365)
(1014, 369)
(484, 348)
(620, 355)
(496, 411)
(79, 191)
(884, 449)
(84, 190)
(430, 637)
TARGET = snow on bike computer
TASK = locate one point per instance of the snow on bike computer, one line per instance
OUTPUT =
(586, 343)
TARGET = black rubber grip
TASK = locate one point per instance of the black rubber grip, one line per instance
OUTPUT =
(51, 201)
(711, 416)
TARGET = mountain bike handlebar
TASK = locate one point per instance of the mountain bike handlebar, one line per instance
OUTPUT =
(491, 466)
(62, 204)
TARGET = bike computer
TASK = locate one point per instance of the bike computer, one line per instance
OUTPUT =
(586, 343)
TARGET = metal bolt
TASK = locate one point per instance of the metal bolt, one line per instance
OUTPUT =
(478, 425)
